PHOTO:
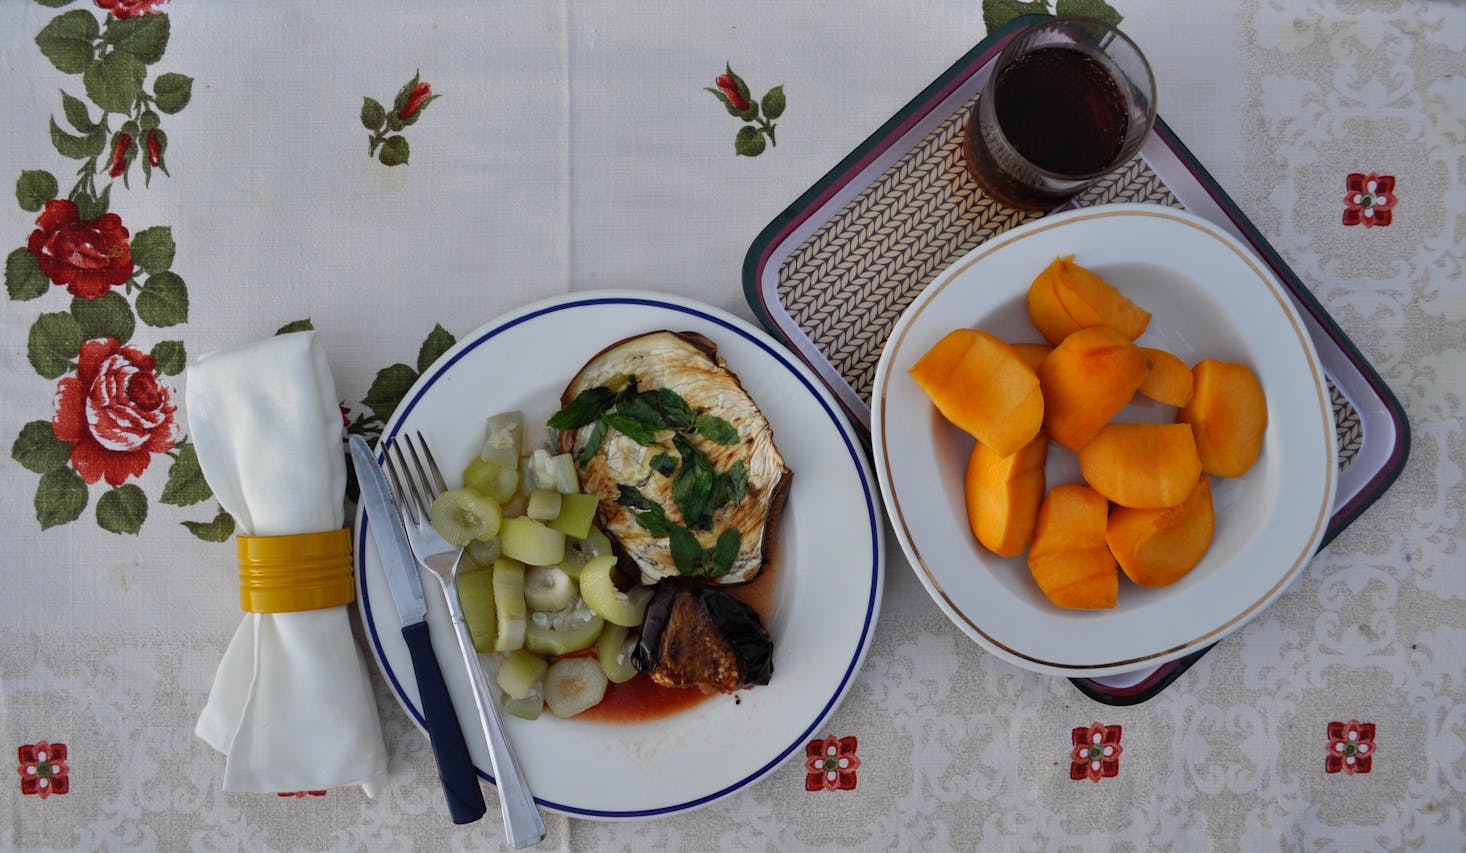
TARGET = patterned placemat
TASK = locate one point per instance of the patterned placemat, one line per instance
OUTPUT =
(848, 282)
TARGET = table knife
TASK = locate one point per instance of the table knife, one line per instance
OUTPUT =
(455, 765)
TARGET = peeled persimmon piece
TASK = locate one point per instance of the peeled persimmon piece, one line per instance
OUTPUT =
(1045, 310)
(1069, 558)
(1157, 547)
(1088, 377)
(978, 383)
(1034, 354)
(1092, 301)
(1229, 414)
(1142, 466)
(1003, 495)
(1168, 380)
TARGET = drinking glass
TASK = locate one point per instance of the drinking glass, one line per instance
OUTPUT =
(1070, 100)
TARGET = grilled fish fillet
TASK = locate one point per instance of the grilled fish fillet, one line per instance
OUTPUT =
(687, 363)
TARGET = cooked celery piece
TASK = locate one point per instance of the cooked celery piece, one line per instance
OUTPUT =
(519, 672)
(492, 478)
(608, 602)
(528, 708)
(553, 472)
(484, 552)
(613, 652)
(577, 511)
(574, 684)
(544, 505)
(476, 595)
(548, 588)
(530, 542)
(463, 515)
(578, 551)
(563, 631)
(503, 434)
(509, 604)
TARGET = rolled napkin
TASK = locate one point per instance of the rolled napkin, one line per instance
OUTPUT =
(291, 707)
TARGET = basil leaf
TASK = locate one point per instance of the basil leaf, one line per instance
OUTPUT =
(638, 409)
(726, 551)
(587, 406)
(687, 552)
(654, 521)
(631, 428)
(714, 428)
(692, 488)
(664, 464)
(736, 478)
(597, 438)
(631, 389)
(630, 497)
(678, 414)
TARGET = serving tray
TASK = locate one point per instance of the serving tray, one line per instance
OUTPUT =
(831, 274)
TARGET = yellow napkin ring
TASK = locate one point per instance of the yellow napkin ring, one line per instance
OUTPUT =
(306, 571)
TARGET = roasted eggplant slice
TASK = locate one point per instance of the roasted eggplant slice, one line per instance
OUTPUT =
(698, 635)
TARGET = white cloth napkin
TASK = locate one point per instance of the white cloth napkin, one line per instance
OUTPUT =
(291, 707)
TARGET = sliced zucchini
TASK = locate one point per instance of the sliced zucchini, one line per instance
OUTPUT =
(492, 478)
(553, 472)
(463, 515)
(608, 602)
(613, 652)
(544, 505)
(530, 542)
(577, 511)
(578, 551)
(563, 631)
(509, 604)
(476, 596)
(484, 552)
(574, 684)
(549, 588)
(519, 672)
(503, 435)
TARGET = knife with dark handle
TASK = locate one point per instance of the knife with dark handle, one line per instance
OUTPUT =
(455, 765)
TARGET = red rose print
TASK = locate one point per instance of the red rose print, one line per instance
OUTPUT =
(830, 764)
(127, 8)
(1369, 200)
(419, 95)
(43, 769)
(1095, 752)
(114, 412)
(120, 143)
(88, 258)
(1351, 747)
(729, 87)
(300, 795)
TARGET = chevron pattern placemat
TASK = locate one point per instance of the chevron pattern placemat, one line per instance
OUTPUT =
(848, 282)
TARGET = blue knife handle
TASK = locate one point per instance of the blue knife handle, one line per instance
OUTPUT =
(455, 765)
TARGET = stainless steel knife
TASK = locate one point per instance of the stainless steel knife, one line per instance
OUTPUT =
(455, 765)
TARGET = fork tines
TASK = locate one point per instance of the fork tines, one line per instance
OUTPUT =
(421, 486)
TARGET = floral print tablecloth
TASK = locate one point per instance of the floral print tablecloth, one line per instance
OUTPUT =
(190, 175)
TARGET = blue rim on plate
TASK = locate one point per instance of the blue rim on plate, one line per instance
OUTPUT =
(799, 372)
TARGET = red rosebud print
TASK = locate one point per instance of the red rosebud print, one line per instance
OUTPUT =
(415, 100)
(87, 258)
(155, 149)
(127, 8)
(120, 143)
(728, 87)
(114, 412)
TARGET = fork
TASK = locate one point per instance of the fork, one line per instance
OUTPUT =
(416, 487)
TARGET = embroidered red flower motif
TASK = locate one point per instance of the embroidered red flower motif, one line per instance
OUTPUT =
(127, 8)
(300, 795)
(1369, 200)
(729, 87)
(1351, 747)
(1096, 752)
(43, 769)
(419, 95)
(113, 411)
(88, 258)
(830, 764)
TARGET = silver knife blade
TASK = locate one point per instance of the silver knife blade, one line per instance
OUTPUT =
(382, 519)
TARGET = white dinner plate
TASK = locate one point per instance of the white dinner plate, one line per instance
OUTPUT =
(828, 586)
(1209, 297)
